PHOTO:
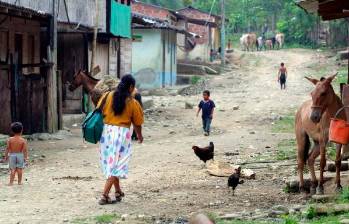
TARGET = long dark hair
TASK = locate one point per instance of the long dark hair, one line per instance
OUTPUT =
(122, 93)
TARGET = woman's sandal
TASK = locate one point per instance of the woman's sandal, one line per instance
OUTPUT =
(105, 200)
(119, 195)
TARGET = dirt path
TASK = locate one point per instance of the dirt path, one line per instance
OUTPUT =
(166, 178)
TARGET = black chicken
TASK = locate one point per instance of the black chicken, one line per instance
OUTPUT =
(234, 179)
(206, 153)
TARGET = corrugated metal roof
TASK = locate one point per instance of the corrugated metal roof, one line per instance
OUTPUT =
(311, 6)
(144, 21)
(27, 11)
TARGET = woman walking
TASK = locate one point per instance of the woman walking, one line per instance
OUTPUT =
(120, 111)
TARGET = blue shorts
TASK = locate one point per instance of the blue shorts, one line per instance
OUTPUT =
(16, 160)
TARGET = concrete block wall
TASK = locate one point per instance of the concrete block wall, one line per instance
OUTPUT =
(126, 56)
(113, 57)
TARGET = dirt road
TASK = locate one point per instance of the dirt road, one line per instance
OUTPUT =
(166, 179)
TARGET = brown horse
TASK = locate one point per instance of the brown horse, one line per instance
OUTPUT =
(82, 78)
(313, 121)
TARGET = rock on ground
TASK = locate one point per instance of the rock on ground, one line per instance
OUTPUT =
(188, 105)
(248, 174)
(322, 198)
(147, 103)
(330, 208)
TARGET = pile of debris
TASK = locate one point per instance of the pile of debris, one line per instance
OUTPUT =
(107, 83)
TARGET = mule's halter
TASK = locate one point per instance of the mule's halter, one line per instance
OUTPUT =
(72, 85)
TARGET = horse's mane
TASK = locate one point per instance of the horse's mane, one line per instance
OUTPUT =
(90, 76)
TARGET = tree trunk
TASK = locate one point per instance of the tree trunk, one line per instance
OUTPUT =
(273, 22)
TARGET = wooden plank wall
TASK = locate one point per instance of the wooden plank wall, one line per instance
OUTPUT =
(71, 58)
(5, 93)
(31, 103)
(30, 99)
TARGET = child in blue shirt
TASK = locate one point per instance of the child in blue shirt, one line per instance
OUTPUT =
(207, 106)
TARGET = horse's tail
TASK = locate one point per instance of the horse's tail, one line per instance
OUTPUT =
(306, 148)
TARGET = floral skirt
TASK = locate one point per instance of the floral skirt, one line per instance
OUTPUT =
(115, 151)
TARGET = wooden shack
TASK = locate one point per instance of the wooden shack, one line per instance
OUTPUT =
(24, 40)
(75, 34)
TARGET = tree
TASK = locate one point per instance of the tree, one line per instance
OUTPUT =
(187, 2)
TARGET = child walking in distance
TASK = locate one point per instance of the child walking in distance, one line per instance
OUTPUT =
(207, 106)
(282, 76)
(16, 152)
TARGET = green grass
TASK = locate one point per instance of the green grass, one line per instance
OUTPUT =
(332, 219)
(326, 219)
(195, 79)
(331, 151)
(296, 45)
(106, 218)
(286, 150)
(284, 125)
(344, 196)
(240, 222)
(2, 144)
(101, 219)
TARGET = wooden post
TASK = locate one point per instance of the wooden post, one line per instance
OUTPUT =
(60, 99)
(94, 41)
(185, 40)
(345, 150)
(223, 35)
(52, 115)
(348, 49)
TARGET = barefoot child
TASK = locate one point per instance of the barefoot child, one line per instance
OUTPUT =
(16, 152)
(282, 76)
(207, 106)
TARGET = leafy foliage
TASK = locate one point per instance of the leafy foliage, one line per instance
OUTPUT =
(344, 196)
(269, 17)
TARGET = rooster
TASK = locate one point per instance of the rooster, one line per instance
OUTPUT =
(206, 153)
(234, 179)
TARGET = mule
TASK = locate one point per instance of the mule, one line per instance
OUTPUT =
(280, 39)
(313, 121)
(260, 43)
(253, 41)
(245, 42)
(268, 44)
(82, 78)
